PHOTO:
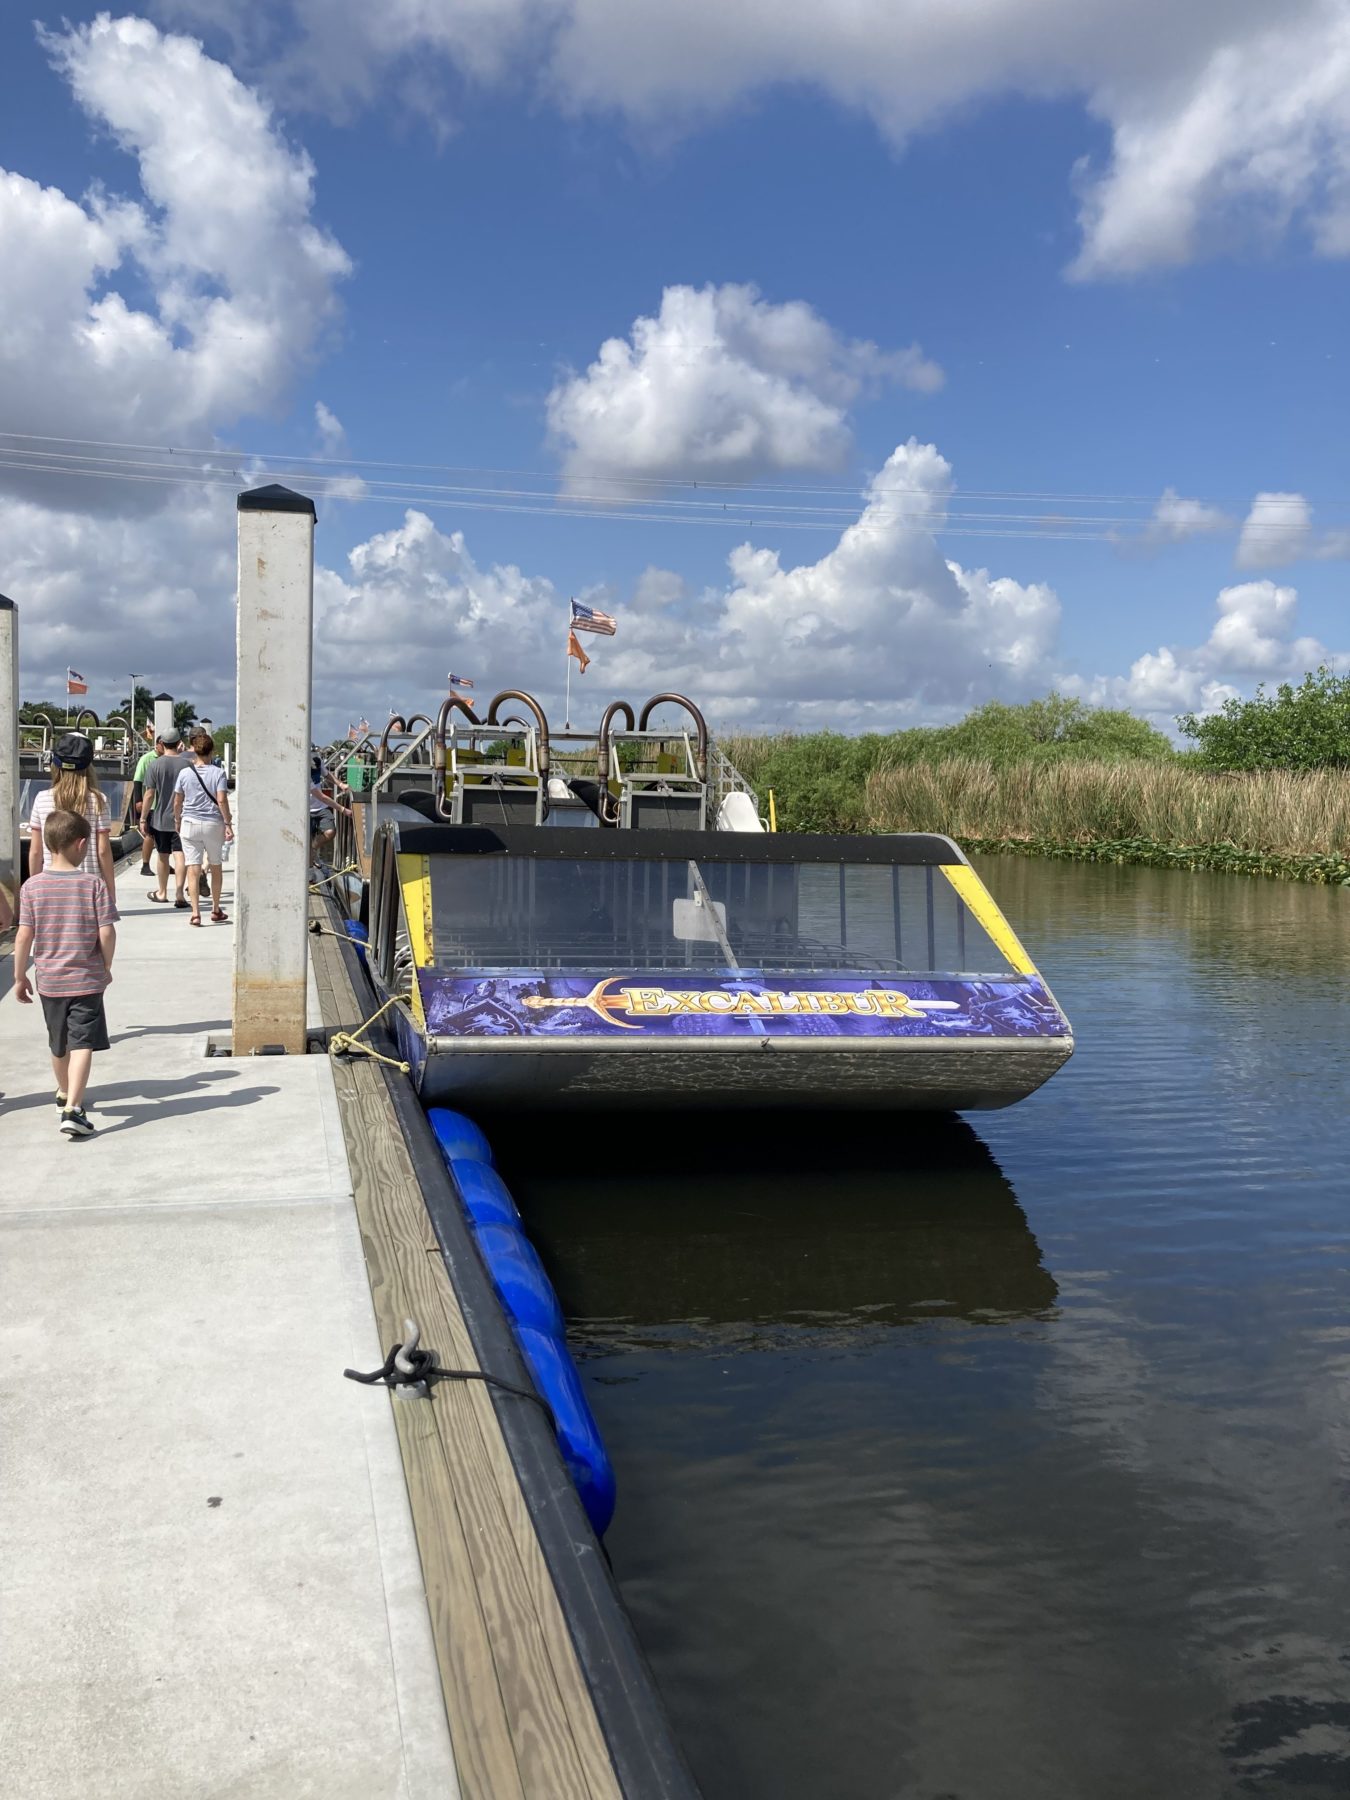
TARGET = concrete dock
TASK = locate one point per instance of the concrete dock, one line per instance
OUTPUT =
(209, 1580)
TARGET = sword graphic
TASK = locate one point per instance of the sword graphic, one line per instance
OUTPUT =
(603, 1005)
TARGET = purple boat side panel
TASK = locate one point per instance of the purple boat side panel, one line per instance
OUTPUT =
(735, 1006)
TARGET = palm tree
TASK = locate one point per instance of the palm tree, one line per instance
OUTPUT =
(145, 704)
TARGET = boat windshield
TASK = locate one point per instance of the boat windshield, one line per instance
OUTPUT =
(519, 914)
(114, 792)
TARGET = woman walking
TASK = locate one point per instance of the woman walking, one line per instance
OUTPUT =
(201, 804)
(75, 789)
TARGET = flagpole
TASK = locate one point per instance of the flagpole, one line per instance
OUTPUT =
(567, 710)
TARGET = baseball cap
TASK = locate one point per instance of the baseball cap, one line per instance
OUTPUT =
(171, 737)
(73, 751)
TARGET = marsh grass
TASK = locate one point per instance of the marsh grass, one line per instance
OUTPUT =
(1272, 813)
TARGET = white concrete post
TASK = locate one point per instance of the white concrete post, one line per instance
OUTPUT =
(275, 654)
(9, 755)
(163, 714)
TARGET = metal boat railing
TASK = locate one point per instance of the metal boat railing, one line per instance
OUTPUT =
(725, 778)
(645, 776)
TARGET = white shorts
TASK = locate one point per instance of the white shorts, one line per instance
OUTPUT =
(203, 841)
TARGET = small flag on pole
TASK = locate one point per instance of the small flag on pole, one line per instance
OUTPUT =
(351, 732)
(75, 682)
(459, 681)
(363, 725)
(588, 618)
(574, 649)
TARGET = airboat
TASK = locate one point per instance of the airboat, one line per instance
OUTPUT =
(604, 919)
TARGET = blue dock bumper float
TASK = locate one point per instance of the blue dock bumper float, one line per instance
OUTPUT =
(527, 1295)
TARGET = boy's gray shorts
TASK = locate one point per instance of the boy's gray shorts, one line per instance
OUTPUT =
(75, 1022)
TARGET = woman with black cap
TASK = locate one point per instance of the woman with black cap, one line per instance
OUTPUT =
(75, 789)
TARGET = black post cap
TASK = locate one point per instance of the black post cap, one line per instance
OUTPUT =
(274, 498)
(6, 604)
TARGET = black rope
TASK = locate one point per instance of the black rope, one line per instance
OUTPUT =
(422, 1368)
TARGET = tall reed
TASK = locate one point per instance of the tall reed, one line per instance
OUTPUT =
(1278, 812)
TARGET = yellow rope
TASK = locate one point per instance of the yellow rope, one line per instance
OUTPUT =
(344, 1043)
(317, 887)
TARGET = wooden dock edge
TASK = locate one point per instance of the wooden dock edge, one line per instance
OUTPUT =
(547, 1692)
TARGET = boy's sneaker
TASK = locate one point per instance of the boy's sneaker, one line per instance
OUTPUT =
(62, 1102)
(75, 1123)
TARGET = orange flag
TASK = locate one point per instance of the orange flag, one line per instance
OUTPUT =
(574, 649)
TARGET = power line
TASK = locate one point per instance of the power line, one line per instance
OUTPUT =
(615, 515)
(270, 459)
(943, 520)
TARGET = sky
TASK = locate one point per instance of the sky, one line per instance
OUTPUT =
(866, 362)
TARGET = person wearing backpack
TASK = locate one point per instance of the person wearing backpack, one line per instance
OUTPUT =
(201, 807)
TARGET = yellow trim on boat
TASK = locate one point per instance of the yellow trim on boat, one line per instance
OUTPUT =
(414, 877)
(982, 904)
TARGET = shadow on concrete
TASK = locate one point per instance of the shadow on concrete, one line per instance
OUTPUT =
(191, 1029)
(131, 1116)
(102, 1093)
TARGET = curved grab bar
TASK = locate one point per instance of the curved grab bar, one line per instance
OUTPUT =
(448, 705)
(412, 720)
(701, 724)
(539, 719)
(608, 805)
(612, 711)
(395, 724)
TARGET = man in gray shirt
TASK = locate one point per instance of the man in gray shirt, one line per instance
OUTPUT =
(157, 818)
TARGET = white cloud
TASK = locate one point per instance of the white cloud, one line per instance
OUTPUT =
(1176, 519)
(880, 629)
(1253, 137)
(1276, 530)
(722, 385)
(1279, 530)
(1229, 119)
(656, 588)
(166, 316)
(332, 437)
(107, 594)
(1252, 641)
(414, 602)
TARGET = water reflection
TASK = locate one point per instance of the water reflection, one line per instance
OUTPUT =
(903, 1514)
(1242, 923)
(739, 1230)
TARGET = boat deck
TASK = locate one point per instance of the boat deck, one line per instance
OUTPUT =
(207, 1547)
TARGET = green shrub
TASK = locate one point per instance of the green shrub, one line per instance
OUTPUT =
(820, 779)
(1303, 727)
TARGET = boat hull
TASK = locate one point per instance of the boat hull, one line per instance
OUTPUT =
(917, 1075)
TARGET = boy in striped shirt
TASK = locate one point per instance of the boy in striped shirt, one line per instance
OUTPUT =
(66, 923)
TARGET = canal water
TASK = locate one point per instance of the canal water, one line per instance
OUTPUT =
(1006, 1459)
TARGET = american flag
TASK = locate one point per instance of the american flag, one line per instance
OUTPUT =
(587, 618)
(75, 682)
(459, 681)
